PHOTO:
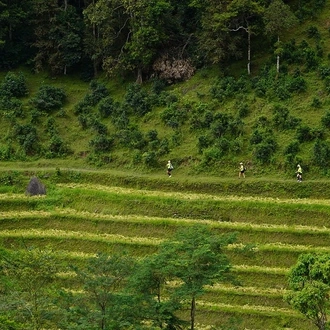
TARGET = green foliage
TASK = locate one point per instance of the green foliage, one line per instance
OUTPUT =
(27, 137)
(264, 144)
(313, 32)
(131, 138)
(316, 103)
(108, 107)
(193, 246)
(282, 119)
(321, 154)
(14, 85)
(98, 92)
(310, 283)
(137, 100)
(101, 143)
(12, 106)
(228, 87)
(304, 134)
(150, 159)
(325, 119)
(30, 278)
(49, 98)
(174, 115)
(56, 147)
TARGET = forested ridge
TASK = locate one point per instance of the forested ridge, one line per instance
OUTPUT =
(140, 36)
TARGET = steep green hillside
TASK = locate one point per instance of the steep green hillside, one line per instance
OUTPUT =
(207, 124)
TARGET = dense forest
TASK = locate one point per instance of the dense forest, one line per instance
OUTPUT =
(165, 37)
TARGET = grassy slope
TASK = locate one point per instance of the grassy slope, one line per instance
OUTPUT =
(194, 91)
(80, 217)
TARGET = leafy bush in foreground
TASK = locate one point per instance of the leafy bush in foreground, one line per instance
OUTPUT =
(49, 98)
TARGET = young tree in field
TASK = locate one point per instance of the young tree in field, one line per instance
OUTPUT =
(195, 258)
(309, 281)
(104, 279)
(278, 19)
(28, 279)
(148, 286)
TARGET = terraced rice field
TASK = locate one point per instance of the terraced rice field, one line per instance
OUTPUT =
(78, 220)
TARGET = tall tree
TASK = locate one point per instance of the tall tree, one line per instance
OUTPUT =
(222, 23)
(15, 34)
(44, 18)
(195, 257)
(66, 34)
(245, 15)
(103, 280)
(278, 19)
(148, 285)
(27, 277)
(309, 281)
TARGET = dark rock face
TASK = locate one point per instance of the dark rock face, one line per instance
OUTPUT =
(35, 187)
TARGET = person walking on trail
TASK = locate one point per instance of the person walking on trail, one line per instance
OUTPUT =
(299, 173)
(169, 168)
(242, 170)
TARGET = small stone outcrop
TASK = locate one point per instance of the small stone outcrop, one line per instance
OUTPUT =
(35, 187)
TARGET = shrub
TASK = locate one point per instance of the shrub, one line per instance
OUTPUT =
(174, 116)
(164, 147)
(223, 145)
(324, 71)
(311, 59)
(136, 157)
(101, 143)
(97, 126)
(131, 138)
(316, 103)
(12, 104)
(227, 87)
(282, 119)
(204, 142)
(313, 32)
(107, 107)
(321, 153)
(14, 85)
(56, 147)
(263, 151)
(153, 145)
(297, 84)
(304, 134)
(325, 120)
(256, 137)
(211, 154)
(152, 135)
(225, 124)
(27, 138)
(51, 128)
(243, 110)
(137, 100)
(6, 152)
(121, 121)
(99, 92)
(150, 159)
(49, 98)
(292, 148)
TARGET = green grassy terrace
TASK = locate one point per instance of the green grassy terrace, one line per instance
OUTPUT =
(86, 212)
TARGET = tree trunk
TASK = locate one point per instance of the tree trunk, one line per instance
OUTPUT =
(139, 76)
(278, 57)
(192, 313)
(249, 51)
